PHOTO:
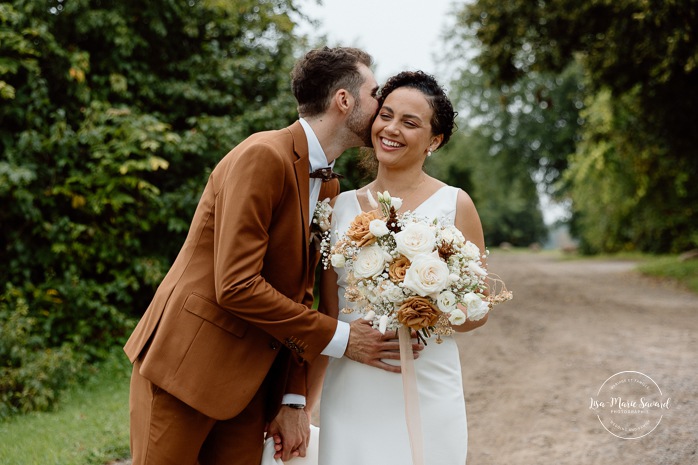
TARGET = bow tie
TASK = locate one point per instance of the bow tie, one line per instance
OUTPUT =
(326, 174)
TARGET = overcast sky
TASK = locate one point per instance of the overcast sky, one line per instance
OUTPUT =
(399, 34)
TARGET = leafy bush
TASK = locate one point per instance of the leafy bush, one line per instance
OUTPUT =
(112, 115)
(31, 375)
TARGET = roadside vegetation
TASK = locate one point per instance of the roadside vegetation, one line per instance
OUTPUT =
(89, 426)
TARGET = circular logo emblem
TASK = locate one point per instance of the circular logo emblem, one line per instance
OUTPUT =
(629, 405)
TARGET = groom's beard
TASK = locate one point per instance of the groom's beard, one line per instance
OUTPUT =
(360, 124)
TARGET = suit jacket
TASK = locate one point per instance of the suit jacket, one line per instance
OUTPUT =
(240, 289)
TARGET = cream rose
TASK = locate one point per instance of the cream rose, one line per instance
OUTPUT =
(338, 260)
(416, 238)
(369, 262)
(428, 275)
(477, 308)
(378, 228)
(446, 301)
(457, 317)
(396, 202)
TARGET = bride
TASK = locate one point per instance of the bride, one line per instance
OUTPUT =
(362, 411)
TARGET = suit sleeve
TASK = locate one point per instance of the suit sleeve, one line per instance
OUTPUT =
(252, 193)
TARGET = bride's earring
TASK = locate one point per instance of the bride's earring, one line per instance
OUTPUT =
(429, 153)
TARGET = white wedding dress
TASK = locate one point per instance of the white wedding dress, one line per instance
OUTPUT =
(362, 410)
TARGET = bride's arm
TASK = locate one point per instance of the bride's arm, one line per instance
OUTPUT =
(468, 222)
(329, 305)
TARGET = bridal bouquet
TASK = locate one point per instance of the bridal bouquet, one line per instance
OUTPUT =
(412, 271)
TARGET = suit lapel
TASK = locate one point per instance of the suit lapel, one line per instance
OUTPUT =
(302, 169)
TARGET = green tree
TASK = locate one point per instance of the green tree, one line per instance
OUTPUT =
(508, 206)
(112, 115)
(643, 53)
(518, 136)
(621, 201)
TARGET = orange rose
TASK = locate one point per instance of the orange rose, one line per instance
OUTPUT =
(417, 313)
(359, 229)
(398, 268)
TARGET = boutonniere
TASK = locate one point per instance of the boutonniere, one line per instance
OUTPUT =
(320, 226)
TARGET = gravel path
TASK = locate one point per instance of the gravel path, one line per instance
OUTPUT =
(531, 371)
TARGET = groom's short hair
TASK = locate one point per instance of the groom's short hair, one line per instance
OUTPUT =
(321, 72)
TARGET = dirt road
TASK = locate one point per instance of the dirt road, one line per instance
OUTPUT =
(532, 370)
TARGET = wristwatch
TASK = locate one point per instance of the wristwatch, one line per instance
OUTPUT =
(296, 406)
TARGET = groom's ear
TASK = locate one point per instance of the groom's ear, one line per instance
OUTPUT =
(343, 100)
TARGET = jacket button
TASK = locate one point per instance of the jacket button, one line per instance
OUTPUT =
(275, 345)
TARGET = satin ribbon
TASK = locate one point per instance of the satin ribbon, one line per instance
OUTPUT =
(409, 388)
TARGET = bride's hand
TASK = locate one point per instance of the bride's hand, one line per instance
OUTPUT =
(369, 346)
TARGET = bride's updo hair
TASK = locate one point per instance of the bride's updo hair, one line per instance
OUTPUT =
(443, 120)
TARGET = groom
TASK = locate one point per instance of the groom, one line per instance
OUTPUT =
(228, 335)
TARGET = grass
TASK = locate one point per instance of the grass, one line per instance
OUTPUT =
(90, 426)
(667, 267)
(685, 273)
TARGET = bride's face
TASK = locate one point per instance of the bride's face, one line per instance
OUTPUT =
(401, 133)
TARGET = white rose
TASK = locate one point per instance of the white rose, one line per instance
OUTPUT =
(416, 238)
(427, 276)
(338, 260)
(477, 269)
(471, 251)
(378, 228)
(446, 301)
(477, 308)
(369, 262)
(396, 202)
(457, 317)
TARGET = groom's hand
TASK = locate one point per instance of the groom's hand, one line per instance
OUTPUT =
(369, 346)
(293, 427)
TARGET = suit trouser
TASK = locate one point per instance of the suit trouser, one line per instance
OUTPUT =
(166, 431)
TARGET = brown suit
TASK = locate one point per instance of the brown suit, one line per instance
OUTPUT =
(241, 286)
